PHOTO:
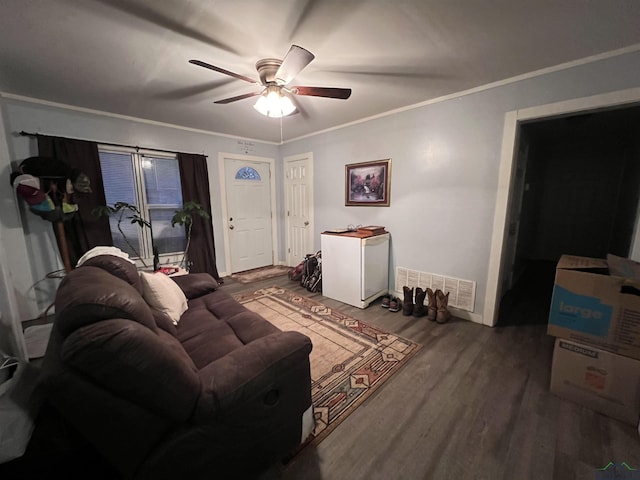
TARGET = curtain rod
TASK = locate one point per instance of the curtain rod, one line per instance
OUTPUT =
(29, 134)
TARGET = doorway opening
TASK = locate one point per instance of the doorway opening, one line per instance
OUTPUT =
(576, 191)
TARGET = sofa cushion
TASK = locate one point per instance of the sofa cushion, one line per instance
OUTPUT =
(164, 322)
(79, 302)
(206, 338)
(219, 303)
(164, 295)
(196, 284)
(118, 266)
(216, 324)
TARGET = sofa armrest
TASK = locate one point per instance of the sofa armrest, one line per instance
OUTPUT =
(196, 284)
(269, 373)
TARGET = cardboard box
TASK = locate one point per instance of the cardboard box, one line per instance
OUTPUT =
(590, 306)
(599, 380)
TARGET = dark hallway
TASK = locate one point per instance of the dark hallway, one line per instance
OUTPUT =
(527, 303)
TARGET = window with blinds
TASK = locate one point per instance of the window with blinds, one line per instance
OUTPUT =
(151, 182)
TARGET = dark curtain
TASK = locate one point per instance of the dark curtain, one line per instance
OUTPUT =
(83, 231)
(195, 187)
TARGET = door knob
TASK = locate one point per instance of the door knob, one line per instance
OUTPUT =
(306, 223)
(230, 227)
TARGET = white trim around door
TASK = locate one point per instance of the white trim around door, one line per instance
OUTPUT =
(507, 173)
(223, 201)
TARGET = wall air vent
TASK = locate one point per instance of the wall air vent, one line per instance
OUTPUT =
(462, 292)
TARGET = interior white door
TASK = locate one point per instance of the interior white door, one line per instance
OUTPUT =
(299, 208)
(248, 192)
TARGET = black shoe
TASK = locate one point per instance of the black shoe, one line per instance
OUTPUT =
(386, 300)
(394, 304)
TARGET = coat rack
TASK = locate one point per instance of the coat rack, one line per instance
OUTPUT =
(57, 217)
(48, 196)
(62, 245)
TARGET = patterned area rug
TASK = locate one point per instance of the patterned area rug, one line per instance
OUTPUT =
(260, 273)
(350, 359)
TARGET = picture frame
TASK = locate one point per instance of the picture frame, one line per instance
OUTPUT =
(367, 184)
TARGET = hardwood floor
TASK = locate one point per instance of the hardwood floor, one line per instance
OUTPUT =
(473, 403)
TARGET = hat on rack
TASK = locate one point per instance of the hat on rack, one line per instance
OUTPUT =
(28, 188)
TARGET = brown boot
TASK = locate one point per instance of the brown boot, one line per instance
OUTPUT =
(407, 304)
(431, 305)
(442, 300)
(419, 310)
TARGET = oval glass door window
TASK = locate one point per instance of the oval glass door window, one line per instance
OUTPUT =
(247, 173)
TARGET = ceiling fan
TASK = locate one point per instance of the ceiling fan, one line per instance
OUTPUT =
(275, 76)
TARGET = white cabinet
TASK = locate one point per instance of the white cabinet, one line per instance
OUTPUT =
(355, 268)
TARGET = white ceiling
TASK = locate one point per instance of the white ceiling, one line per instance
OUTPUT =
(130, 57)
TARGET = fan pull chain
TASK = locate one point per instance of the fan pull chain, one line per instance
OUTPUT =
(281, 138)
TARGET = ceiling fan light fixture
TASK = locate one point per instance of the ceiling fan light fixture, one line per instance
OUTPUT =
(272, 103)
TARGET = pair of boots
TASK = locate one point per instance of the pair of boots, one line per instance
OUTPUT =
(436, 308)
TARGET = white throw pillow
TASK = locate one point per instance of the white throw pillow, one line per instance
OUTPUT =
(163, 294)
(104, 250)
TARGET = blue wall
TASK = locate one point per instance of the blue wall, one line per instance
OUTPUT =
(445, 167)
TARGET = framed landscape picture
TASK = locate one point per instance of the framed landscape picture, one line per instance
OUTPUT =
(367, 183)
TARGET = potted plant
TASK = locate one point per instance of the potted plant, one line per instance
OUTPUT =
(127, 211)
(184, 217)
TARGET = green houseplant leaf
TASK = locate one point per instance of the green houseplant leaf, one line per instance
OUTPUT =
(184, 217)
(122, 211)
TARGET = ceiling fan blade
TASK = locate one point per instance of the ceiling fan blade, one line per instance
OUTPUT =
(222, 70)
(164, 16)
(340, 93)
(296, 59)
(193, 91)
(236, 98)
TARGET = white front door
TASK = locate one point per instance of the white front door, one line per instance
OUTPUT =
(248, 195)
(298, 173)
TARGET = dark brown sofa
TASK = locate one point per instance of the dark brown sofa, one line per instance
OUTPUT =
(222, 394)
